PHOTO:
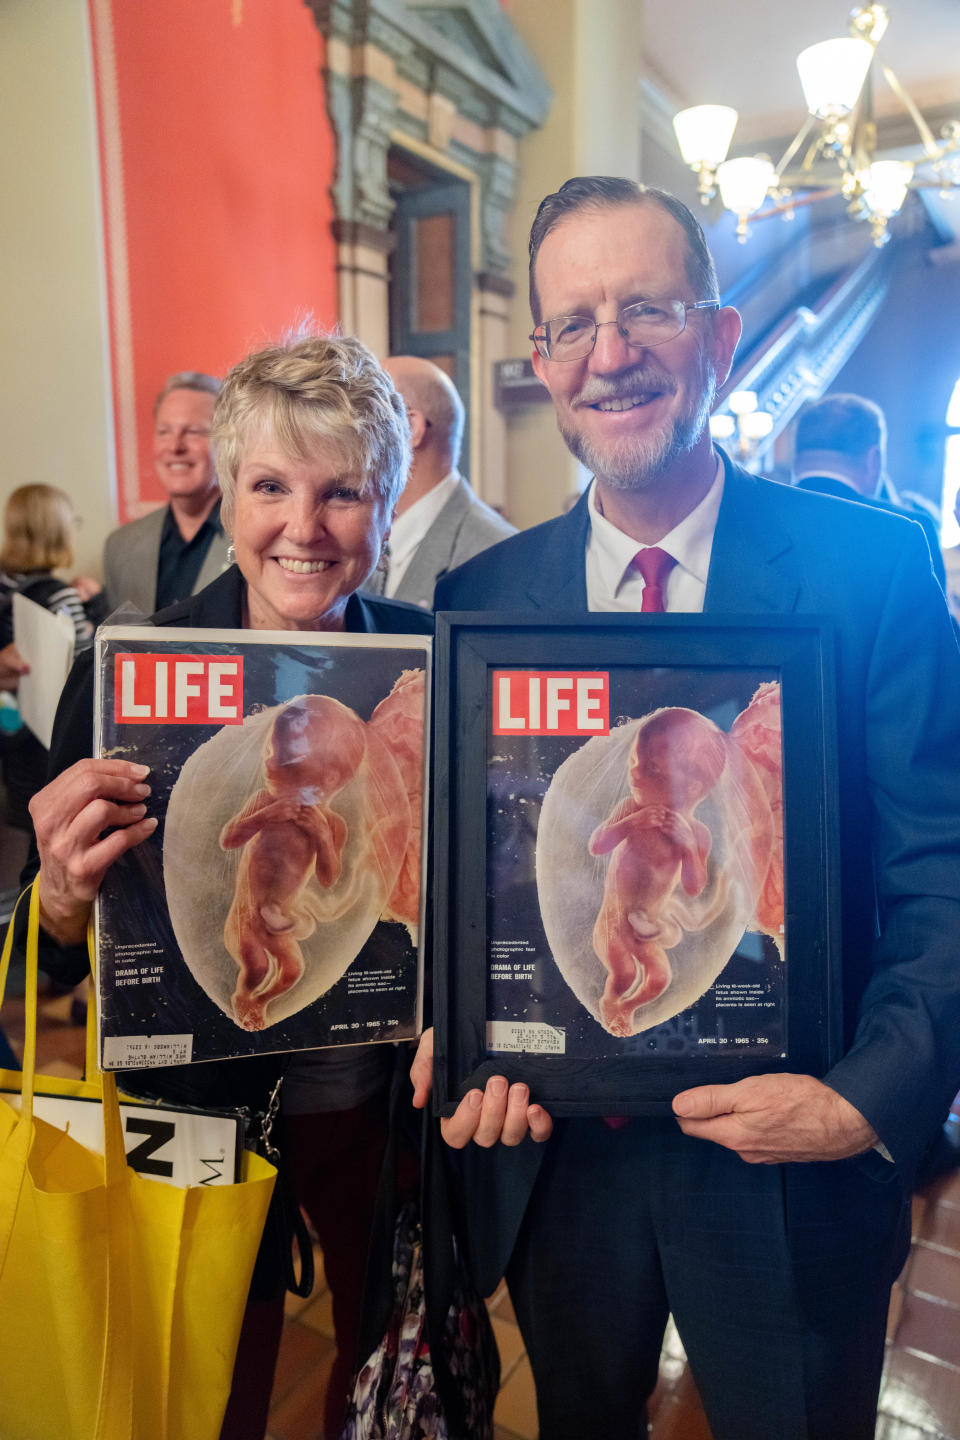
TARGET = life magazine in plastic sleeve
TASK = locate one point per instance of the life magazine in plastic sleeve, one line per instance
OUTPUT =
(278, 904)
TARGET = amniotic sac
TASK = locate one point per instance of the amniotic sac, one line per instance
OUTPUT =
(659, 846)
(287, 839)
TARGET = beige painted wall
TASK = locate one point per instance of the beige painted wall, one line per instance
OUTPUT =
(54, 395)
(593, 129)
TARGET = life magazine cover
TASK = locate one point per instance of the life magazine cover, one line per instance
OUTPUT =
(277, 906)
(635, 874)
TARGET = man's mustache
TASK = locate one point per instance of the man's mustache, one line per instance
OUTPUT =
(646, 381)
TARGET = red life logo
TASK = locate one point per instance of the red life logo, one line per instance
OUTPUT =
(178, 689)
(551, 702)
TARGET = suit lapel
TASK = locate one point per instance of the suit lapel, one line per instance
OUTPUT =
(432, 556)
(753, 564)
(560, 580)
(145, 563)
(360, 619)
(219, 606)
(215, 561)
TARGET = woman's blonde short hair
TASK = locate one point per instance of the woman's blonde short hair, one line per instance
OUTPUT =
(315, 394)
(37, 530)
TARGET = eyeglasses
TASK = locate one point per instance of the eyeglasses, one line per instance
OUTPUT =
(646, 322)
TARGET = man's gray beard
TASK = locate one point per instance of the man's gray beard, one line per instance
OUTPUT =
(635, 464)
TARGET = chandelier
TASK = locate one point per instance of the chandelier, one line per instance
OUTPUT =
(747, 424)
(839, 130)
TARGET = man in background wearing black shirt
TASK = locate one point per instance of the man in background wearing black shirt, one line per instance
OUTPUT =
(175, 551)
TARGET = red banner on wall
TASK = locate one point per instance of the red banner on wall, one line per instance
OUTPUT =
(216, 158)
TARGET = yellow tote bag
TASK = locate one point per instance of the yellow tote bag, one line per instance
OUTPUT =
(121, 1297)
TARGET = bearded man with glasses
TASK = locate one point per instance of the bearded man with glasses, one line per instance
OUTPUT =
(771, 1215)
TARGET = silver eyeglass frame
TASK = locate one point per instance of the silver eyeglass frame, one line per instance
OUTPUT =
(543, 347)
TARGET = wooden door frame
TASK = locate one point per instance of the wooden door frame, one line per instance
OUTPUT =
(453, 85)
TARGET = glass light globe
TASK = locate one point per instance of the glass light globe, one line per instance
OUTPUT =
(757, 425)
(722, 426)
(886, 187)
(832, 75)
(743, 402)
(704, 133)
(744, 183)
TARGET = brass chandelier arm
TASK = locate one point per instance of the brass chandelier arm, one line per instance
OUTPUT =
(932, 149)
(786, 207)
(795, 144)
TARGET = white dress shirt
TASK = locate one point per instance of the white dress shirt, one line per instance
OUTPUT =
(409, 529)
(614, 584)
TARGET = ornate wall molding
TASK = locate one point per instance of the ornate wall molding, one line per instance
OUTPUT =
(450, 74)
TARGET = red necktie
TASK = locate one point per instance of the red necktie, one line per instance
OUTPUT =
(654, 565)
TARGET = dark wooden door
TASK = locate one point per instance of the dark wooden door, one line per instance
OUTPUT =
(430, 282)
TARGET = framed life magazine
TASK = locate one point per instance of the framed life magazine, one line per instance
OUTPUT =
(635, 855)
(278, 904)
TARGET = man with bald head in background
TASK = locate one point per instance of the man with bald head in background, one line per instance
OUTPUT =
(439, 521)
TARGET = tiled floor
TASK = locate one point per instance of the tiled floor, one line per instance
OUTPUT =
(920, 1399)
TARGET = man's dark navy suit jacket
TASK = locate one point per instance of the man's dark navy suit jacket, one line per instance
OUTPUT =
(778, 550)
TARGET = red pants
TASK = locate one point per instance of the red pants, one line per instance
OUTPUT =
(334, 1163)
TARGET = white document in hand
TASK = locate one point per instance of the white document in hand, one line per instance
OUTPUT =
(46, 641)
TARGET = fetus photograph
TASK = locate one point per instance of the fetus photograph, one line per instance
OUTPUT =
(291, 840)
(657, 875)
(658, 860)
(326, 844)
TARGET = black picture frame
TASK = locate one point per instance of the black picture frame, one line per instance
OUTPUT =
(483, 828)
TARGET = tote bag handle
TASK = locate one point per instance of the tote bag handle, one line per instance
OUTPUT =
(115, 1419)
(17, 1150)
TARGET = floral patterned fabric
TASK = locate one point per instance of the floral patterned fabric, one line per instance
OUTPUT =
(396, 1395)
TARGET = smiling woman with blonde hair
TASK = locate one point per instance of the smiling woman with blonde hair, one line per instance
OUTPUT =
(312, 447)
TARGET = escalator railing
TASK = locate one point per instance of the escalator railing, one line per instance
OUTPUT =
(799, 357)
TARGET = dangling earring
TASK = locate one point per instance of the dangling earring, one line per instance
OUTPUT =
(231, 554)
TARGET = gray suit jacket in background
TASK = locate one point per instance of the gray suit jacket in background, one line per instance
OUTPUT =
(131, 558)
(464, 527)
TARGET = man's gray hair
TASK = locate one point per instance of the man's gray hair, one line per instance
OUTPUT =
(604, 192)
(314, 395)
(187, 380)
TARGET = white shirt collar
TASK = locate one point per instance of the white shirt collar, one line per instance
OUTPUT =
(409, 528)
(612, 582)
